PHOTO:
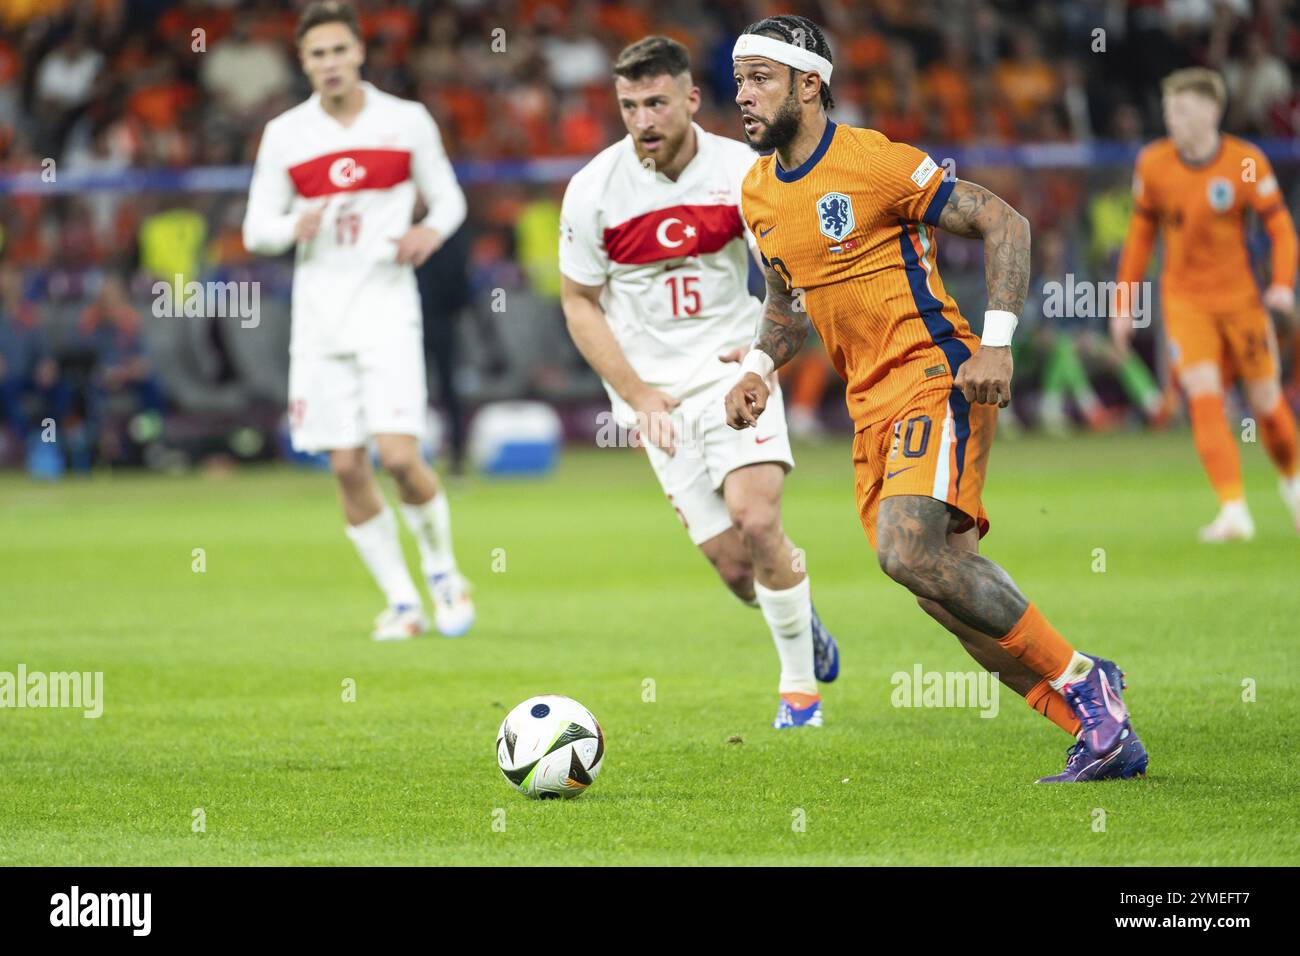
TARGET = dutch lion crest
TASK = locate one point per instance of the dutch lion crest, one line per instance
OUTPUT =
(835, 215)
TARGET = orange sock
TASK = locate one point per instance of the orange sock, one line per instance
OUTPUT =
(1278, 431)
(1052, 705)
(801, 701)
(1214, 444)
(1038, 644)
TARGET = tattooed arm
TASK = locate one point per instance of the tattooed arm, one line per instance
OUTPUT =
(784, 325)
(975, 213)
(781, 334)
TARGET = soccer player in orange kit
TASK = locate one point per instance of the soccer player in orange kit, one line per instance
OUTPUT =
(845, 221)
(1197, 186)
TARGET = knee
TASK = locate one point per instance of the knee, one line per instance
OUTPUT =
(1203, 378)
(350, 467)
(758, 525)
(893, 562)
(1263, 396)
(401, 462)
(910, 566)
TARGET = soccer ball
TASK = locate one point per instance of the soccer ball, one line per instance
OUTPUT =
(550, 746)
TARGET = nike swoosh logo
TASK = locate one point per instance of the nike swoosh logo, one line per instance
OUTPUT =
(759, 441)
(891, 474)
(671, 268)
(762, 233)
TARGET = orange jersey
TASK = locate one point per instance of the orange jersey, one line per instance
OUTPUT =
(1201, 214)
(853, 228)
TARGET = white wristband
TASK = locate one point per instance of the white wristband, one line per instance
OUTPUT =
(758, 362)
(999, 326)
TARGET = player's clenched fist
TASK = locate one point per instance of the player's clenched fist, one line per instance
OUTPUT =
(985, 377)
(746, 401)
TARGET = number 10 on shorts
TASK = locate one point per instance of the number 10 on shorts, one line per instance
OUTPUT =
(915, 436)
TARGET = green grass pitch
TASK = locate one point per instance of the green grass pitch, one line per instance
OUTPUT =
(224, 689)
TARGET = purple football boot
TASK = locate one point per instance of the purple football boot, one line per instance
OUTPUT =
(1113, 674)
(1099, 705)
(1129, 759)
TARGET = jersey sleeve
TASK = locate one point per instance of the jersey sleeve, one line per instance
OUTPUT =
(912, 185)
(435, 178)
(1144, 200)
(268, 218)
(1264, 194)
(1266, 199)
(1140, 240)
(582, 248)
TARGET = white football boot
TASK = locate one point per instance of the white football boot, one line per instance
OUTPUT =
(453, 611)
(1290, 489)
(400, 622)
(1233, 523)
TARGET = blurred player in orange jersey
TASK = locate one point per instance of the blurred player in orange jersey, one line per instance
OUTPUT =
(845, 222)
(1197, 186)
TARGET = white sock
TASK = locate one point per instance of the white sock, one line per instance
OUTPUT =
(1235, 509)
(1290, 488)
(381, 552)
(1077, 669)
(431, 525)
(789, 615)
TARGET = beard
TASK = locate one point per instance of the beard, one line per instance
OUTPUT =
(669, 147)
(781, 131)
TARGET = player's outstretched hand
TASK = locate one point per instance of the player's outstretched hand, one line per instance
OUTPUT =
(1121, 330)
(985, 377)
(654, 417)
(746, 401)
(417, 245)
(308, 223)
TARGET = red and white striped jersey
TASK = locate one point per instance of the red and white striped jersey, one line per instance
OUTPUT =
(348, 291)
(673, 258)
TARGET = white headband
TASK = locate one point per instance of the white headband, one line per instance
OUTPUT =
(752, 44)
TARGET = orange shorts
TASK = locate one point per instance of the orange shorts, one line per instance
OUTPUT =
(1242, 342)
(937, 445)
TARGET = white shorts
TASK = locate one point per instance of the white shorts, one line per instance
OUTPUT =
(339, 401)
(707, 449)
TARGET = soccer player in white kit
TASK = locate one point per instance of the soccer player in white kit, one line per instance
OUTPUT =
(654, 259)
(337, 177)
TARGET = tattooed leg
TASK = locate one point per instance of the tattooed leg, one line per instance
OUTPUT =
(986, 650)
(912, 547)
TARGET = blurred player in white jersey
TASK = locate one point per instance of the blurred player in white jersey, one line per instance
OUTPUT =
(655, 261)
(337, 177)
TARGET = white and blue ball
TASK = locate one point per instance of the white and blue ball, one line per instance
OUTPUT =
(550, 746)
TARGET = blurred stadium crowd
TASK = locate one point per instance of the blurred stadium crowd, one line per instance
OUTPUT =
(522, 93)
